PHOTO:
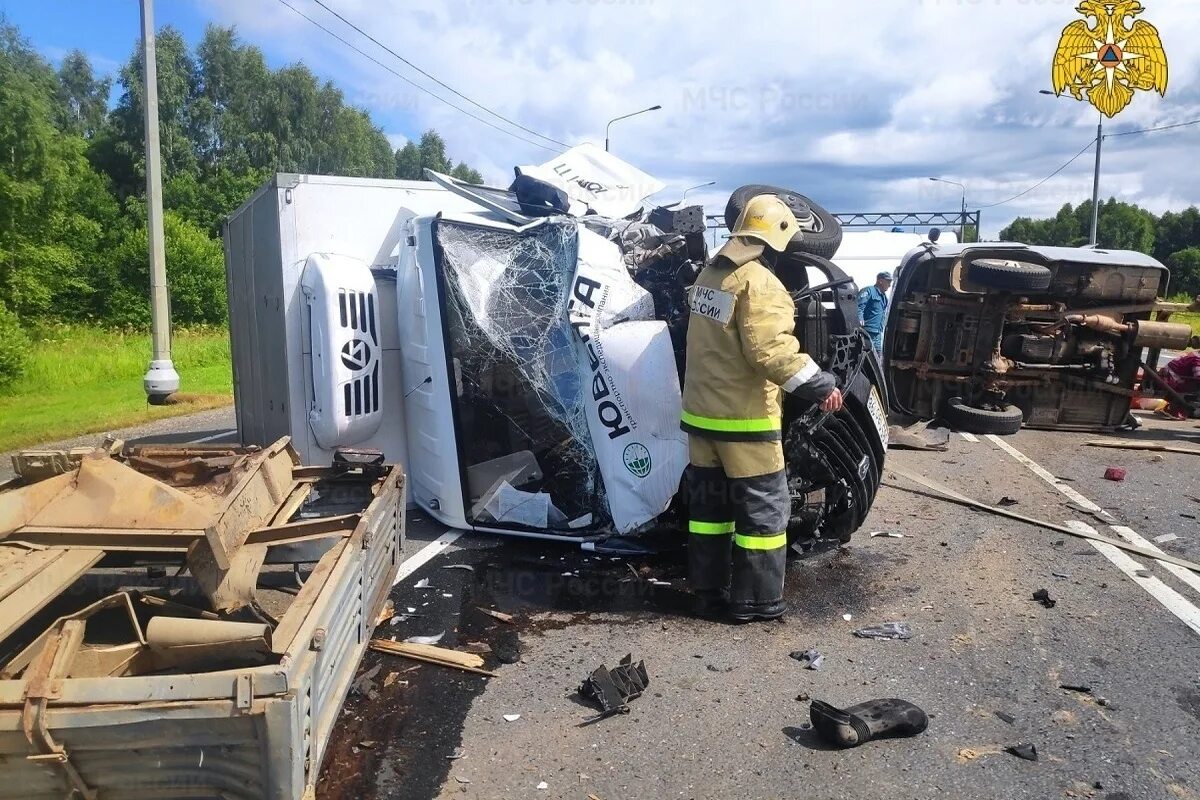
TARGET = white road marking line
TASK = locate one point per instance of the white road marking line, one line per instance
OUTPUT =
(425, 554)
(1133, 537)
(970, 437)
(1049, 478)
(220, 435)
(1172, 600)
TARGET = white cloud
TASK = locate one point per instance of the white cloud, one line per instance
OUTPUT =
(852, 102)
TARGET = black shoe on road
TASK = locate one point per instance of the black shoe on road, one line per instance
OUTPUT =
(749, 612)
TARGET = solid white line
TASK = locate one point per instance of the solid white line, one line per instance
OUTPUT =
(1045, 475)
(970, 437)
(1133, 537)
(425, 554)
(220, 435)
(1172, 600)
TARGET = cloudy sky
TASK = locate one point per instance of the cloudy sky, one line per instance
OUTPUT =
(853, 102)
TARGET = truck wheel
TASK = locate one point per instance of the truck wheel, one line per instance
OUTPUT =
(1018, 276)
(969, 419)
(823, 241)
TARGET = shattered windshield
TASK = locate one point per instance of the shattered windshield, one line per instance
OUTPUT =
(523, 428)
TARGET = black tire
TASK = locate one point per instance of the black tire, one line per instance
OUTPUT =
(824, 242)
(995, 273)
(969, 419)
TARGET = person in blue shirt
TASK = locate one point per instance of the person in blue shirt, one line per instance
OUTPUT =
(872, 308)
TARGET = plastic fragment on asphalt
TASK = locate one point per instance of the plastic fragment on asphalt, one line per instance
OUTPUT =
(457, 754)
(1082, 688)
(1043, 597)
(426, 639)
(612, 690)
(1025, 750)
(847, 617)
(511, 717)
(467, 567)
(500, 615)
(1115, 474)
(1007, 501)
(886, 535)
(810, 659)
(885, 630)
(423, 584)
(543, 785)
(1166, 538)
(1004, 717)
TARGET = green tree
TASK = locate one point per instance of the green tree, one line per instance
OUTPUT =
(83, 96)
(59, 216)
(195, 276)
(1177, 231)
(1185, 271)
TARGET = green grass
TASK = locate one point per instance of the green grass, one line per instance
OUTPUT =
(1190, 319)
(83, 380)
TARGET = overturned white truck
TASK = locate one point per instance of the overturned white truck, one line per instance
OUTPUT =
(524, 369)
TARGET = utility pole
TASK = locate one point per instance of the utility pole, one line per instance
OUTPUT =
(1096, 184)
(161, 380)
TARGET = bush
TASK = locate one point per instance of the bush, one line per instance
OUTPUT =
(14, 348)
(195, 277)
(1185, 271)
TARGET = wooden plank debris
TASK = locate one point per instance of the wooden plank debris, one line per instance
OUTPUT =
(1156, 447)
(431, 654)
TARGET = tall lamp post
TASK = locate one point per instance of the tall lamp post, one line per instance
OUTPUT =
(161, 380)
(1095, 177)
(962, 219)
(625, 116)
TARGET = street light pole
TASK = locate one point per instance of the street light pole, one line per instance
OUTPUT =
(962, 217)
(1096, 184)
(1094, 239)
(625, 116)
(161, 380)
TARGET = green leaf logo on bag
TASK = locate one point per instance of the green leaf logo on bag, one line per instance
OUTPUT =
(637, 460)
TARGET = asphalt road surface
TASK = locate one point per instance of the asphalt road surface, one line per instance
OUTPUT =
(726, 712)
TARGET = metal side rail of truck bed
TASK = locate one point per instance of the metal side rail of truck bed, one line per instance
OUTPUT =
(84, 713)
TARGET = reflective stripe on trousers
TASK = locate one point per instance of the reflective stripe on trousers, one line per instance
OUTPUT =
(737, 530)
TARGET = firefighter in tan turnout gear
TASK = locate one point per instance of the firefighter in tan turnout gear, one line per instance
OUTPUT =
(741, 351)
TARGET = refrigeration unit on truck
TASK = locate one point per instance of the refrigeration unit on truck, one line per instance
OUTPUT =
(524, 369)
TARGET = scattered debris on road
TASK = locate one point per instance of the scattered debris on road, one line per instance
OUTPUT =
(1166, 538)
(500, 615)
(1025, 750)
(612, 690)
(1115, 474)
(1005, 717)
(441, 656)
(1043, 597)
(864, 722)
(511, 717)
(885, 630)
(1150, 446)
(886, 535)
(920, 436)
(809, 659)
(1082, 688)
(434, 639)
(1006, 501)
(951, 496)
